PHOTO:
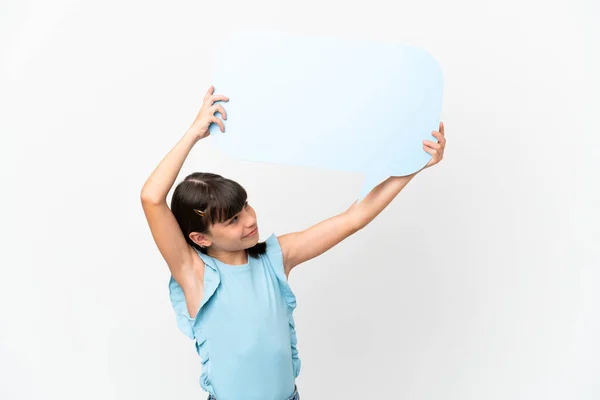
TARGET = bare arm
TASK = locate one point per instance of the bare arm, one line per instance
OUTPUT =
(163, 225)
(161, 180)
(298, 247)
(378, 199)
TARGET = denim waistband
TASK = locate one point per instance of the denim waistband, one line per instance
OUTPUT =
(295, 395)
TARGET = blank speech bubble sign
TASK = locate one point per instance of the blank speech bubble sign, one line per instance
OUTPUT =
(324, 102)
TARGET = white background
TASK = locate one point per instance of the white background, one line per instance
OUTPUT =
(479, 281)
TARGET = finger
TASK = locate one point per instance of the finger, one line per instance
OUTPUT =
(431, 151)
(218, 97)
(442, 128)
(218, 121)
(219, 108)
(209, 92)
(440, 137)
(211, 99)
(431, 144)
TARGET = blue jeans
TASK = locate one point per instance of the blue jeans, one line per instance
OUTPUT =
(295, 395)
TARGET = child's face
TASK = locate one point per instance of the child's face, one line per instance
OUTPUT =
(237, 232)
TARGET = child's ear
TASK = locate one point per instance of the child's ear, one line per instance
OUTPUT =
(200, 239)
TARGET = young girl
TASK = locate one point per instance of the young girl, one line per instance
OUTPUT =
(229, 290)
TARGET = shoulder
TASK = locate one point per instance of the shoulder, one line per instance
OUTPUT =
(274, 249)
(278, 248)
(275, 254)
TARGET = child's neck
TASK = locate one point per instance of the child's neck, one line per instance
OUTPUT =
(231, 258)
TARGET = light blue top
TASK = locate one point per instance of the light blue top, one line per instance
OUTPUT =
(244, 331)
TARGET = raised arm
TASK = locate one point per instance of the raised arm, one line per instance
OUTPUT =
(163, 225)
(298, 247)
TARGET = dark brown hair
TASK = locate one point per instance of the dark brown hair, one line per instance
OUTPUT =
(220, 199)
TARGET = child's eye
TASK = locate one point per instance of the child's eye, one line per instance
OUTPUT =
(234, 219)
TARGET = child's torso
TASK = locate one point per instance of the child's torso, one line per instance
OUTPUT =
(247, 330)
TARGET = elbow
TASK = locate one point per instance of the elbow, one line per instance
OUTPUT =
(148, 198)
(359, 224)
(356, 217)
(357, 221)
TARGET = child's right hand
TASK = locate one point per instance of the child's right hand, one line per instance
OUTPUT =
(206, 115)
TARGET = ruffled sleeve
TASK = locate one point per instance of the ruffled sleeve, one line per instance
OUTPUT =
(192, 327)
(184, 321)
(275, 256)
(187, 324)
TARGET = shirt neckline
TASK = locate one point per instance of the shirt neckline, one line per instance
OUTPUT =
(232, 267)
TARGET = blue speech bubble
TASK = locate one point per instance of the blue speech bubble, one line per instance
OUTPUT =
(352, 105)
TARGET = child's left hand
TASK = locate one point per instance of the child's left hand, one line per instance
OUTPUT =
(435, 149)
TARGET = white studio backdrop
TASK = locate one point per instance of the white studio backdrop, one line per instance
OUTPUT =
(478, 282)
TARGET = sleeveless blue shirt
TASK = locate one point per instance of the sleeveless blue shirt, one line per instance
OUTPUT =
(244, 330)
